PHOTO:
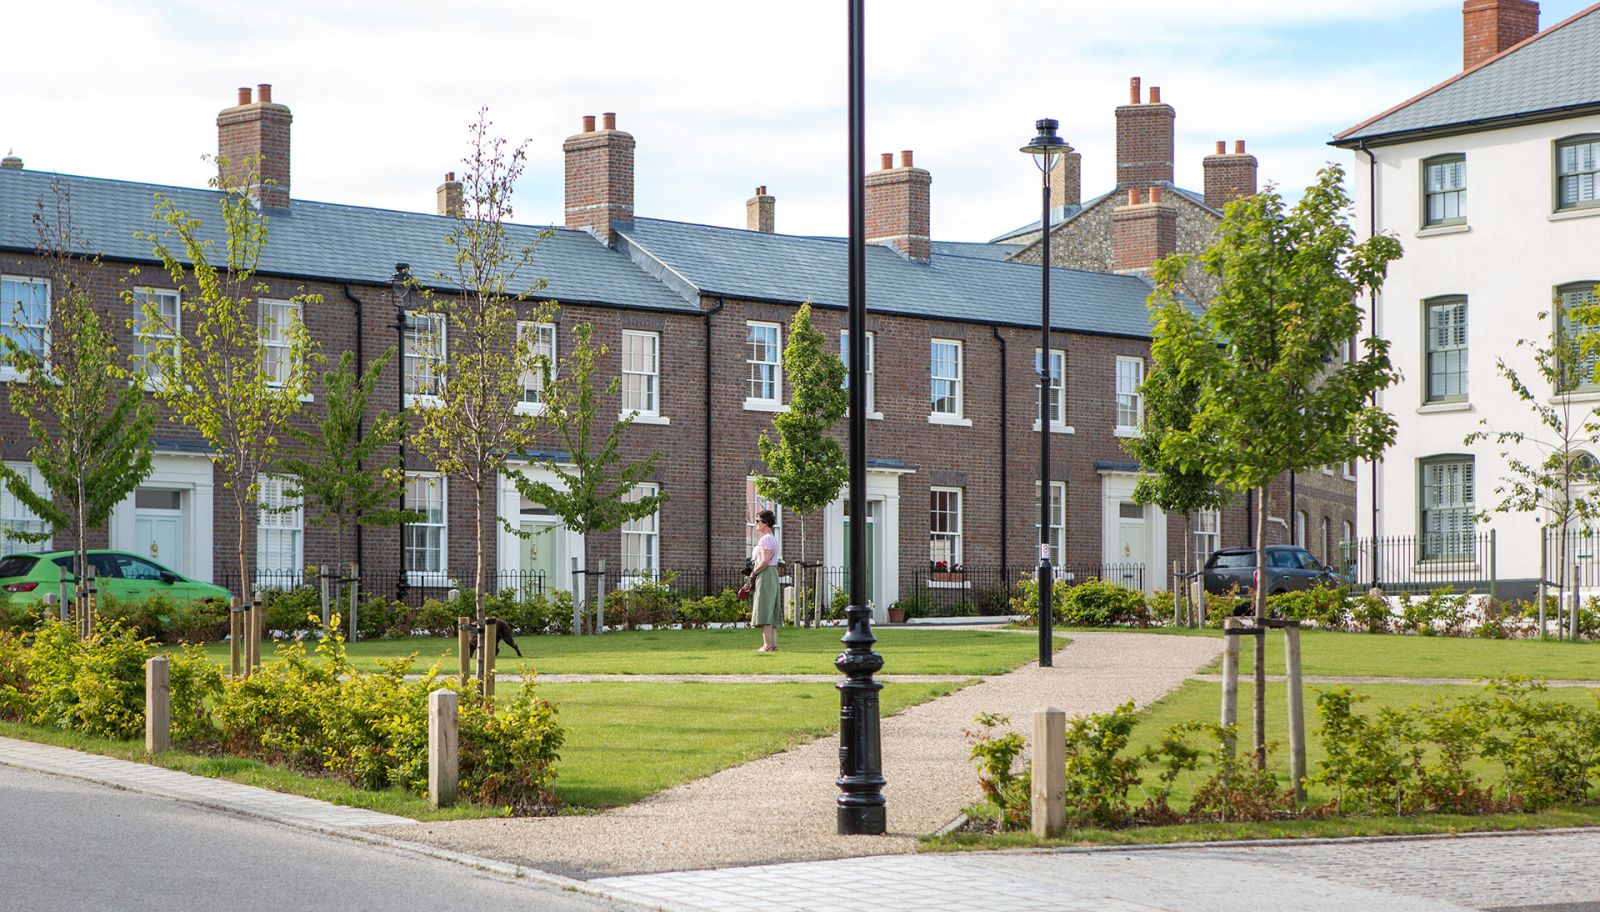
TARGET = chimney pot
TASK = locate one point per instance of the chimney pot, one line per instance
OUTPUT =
(887, 160)
(1133, 197)
(1155, 194)
(244, 95)
(1133, 90)
(1222, 147)
(1238, 147)
(905, 158)
(12, 162)
(1155, 94)
(588, 123)
(449, 176)
(264, 93)
(609, 120)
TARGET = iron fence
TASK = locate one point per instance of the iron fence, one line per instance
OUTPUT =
(1396, 564)
(386, 582)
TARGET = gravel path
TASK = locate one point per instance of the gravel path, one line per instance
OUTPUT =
(781, 808)
(717, 679)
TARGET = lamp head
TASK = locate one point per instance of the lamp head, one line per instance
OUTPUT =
(400, 284)
(1047, 147)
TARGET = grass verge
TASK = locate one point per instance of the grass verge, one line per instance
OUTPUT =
(1325, 652)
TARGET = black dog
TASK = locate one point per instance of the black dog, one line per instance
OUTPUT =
(502, 634)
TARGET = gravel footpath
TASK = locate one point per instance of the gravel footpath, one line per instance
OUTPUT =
(716, 679)
(781, 808)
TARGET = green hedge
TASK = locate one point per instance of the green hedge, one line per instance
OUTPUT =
(1091, 603)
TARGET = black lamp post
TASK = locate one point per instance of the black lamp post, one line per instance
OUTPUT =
(1046, 149)
(401, 292)
(860, 801)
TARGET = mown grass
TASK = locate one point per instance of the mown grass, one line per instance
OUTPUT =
(625, 741)
(715, 652)
(1325, 652)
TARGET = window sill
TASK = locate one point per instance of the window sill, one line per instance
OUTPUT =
(764, 405)
(639, 418)
(1561, 215)
(871, 416)
(949, 584)
(1128, 432)
(523, 408)
(1437, 230)
(949, 420)
(423, 401)
(1057, 428)
(1588, 395)
(1454, 564)
(1434, 408)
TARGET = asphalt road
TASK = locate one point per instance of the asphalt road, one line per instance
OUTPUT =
(75, 847)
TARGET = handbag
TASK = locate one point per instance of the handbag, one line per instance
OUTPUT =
(744, 593)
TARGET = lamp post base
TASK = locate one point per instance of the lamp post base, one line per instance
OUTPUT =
(860, 801)
(862, 820)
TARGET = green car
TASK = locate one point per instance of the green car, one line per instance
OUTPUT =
(28, 578)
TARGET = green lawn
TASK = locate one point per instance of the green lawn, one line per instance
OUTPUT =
(722, 651)
(1400, 656)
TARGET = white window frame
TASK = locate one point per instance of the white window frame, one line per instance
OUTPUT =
(1446, 325)
(871, 373)
(1129, 399)
(272, 525)
(1058, 521)
(543, 350)
(754, 503)
(437, 573)
(1587, 178)
(1326, 527)
(652, 377)
(1058, 381)
(955, 413)
(1457, 528)
(1452, 197)
(1300, 522)
(8, 314)
(1207, 534)
(951, 538)
(413, 357)
(143, 295)
(14, 514)
(1576, 294)
(645, 531)
(766, 374)
(275, 338)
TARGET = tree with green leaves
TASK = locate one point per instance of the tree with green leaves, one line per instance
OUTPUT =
(597, 488)
(473, 419)
(1275, 394)
(806, 466)
(347, 474)
(233, 360)
(1557, 483)
(83, 401)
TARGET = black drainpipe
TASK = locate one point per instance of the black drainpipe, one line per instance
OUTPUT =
(361, 366)
(1372, 231)
(721, 302)
(1005, 511)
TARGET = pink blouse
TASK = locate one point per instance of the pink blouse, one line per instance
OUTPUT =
(768, 544)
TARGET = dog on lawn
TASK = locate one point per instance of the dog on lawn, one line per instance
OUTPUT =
(502, 634)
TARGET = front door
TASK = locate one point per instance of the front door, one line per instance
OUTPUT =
(541, 555)
(1131, 539)
(874, 547)
(158, 527)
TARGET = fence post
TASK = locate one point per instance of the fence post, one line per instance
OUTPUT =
(1494, 575)
(464, 648)
(600, 601)
(322, 585)
(1177, 597)
(355, 586)
(1049, 772)
(1297, 713)
(1230, 680)
(66, 603)
(258, 623)
(442, 755)
(86, 611)
(157, 705)
(488, 641)
(235, 631)
(1544, 574)
(579, 590)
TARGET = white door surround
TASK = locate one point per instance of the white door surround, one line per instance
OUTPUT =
(883, 493)
(191, 524)
(1132, 533)
(514, 553)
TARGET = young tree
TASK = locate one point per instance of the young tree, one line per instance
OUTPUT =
(1170, 402)
(235, 363)
(596, 484)
(805, 464)
(347, 475)
(1275, 395)
(84, 404)
(476, 422)
(1558, 483)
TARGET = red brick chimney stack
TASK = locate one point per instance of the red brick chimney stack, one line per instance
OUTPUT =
(253, 137)
(599, 177)
(450, 196)
(761, 211)
(1143, 231)
(897, 207)
(1229, 177)
(1144, 139)
(1491, 26)
(1066, 180)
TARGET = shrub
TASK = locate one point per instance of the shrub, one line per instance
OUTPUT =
(195, 684)
(725, 608)
(508, 756)
(1006, 792)
(290, 611)
(646, 602)
(1327, 607)
(1098, 776)
(1372, 613)
(20, 616)
(377, 615)
(96, 685)
(1097, 603)
(438, 618)
(16, 685)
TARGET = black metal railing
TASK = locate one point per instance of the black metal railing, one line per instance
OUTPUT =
(1459, 561)
(386, 582)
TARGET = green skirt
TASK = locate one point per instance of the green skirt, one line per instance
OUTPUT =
(766, 603)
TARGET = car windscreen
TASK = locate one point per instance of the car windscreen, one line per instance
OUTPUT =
(17, 565)
(1234, 561)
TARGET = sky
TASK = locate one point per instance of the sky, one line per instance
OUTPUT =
(721, 95)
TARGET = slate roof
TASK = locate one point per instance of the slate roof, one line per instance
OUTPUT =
(983, 250)
(786, 268)
(324, 240)
(1066, 214)
(1555, 71)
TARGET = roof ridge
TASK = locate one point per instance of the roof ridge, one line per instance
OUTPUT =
(1536, 36)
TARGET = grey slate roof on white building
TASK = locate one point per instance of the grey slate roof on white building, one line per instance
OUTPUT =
(1556, 71)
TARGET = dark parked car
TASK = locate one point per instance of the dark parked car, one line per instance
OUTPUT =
(1289, 567)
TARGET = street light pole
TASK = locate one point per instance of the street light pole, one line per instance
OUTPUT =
(1046, 149)
(400, 287)
(860, 803)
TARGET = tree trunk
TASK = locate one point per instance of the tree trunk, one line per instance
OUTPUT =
(1260, 681)
(483, 656)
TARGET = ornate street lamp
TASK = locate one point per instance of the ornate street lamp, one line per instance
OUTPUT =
(860, 802)
(401, 292)
(1047, 148)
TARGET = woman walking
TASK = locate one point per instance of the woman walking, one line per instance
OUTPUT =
(766, 606)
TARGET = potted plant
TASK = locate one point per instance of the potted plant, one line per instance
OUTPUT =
(944, 572)
(897, 614)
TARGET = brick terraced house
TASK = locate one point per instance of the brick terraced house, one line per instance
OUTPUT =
(694, 317)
